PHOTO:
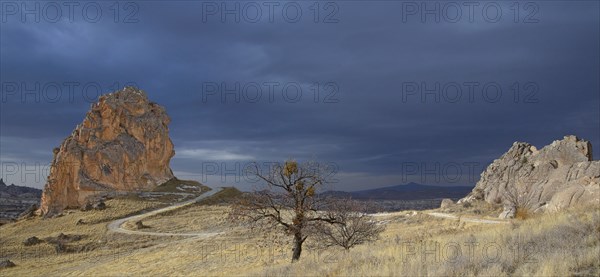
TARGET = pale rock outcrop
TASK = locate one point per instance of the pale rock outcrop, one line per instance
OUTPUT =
(446, 203)
(122, 144)
(508, 212)
(585, 190)
(560, 175)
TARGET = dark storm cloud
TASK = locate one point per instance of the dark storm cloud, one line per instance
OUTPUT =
(370, 131)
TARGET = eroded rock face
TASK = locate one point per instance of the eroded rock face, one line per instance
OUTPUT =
(123, 144)
(560, 175)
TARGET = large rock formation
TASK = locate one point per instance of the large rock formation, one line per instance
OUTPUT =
(123, 144)
(560, 175)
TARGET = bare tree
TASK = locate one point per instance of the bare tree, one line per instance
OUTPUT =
(352, 227)
(289, 201)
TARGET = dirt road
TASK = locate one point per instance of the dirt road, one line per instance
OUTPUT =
(466, 219)
(117, 225)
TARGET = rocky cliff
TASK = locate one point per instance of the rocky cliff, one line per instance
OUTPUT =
(122, 144)
(560, 175)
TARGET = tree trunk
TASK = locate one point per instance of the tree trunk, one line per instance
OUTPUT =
(297, 247)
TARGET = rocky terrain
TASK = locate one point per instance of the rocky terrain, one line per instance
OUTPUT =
(558, 176)
(122, 144)
(14, 200)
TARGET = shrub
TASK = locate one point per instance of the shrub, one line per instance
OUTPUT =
(522, 213)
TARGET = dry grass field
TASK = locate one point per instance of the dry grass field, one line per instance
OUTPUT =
(566, 244)
(413, 243)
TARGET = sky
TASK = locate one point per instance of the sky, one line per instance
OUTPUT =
(381, 92)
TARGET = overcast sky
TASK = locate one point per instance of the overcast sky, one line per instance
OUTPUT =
(382, 91)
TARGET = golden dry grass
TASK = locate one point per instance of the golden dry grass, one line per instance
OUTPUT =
(563, 244)
(96, 242)
(566, 244)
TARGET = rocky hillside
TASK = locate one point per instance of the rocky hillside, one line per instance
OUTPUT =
(560, 175)
(14, 190)
(122, 144)
(14, 200)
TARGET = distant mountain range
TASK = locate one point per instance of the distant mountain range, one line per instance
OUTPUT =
(14, 200)
(13, 190)
(410, 191)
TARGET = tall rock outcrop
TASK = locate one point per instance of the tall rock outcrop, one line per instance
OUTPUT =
(560, 175)
(123, 144)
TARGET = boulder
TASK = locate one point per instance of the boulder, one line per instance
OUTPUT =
(508, 212)
(6, 264)
(87, 207)
(68, 238)
(583, 191)
(447, 203)
(140, 225)
(122, 145)
(99, 206)
(560, 175)
(60, 247)
(29, 212)
(32, 241)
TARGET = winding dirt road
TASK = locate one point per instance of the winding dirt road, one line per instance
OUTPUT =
(117, 225)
